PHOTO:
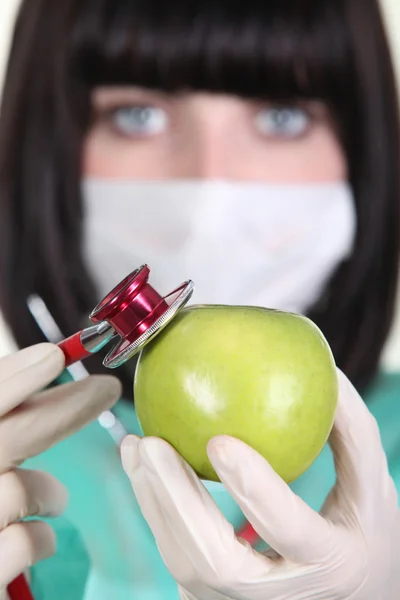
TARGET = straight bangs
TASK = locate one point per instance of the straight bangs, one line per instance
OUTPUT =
(296, 49)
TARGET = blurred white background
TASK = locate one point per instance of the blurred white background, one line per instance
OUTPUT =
(392, 14)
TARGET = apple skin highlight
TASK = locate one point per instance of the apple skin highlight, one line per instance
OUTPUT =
(264, 376)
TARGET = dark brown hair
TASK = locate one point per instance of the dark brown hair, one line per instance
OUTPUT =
(332, 50)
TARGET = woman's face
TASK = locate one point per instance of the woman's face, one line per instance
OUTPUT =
(140, 134)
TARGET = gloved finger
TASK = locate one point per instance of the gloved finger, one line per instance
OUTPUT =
(26, 372)
(279, 516)
(202, 532)
(47, 418)
(170, 549)
(26, 493)
(360, 461)
(21, 546)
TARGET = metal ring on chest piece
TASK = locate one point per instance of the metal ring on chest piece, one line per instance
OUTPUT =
(138, 313)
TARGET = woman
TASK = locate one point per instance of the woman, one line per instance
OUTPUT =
(259, 140)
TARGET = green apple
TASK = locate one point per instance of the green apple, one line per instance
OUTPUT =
(264, 376)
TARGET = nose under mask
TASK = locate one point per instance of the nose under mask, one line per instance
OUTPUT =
(240, 242)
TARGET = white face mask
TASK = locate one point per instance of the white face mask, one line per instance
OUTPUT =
(240, 242)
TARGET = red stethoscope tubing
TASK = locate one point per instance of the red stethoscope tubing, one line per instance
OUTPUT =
(19, 589)
(248, 533)
(73, 349)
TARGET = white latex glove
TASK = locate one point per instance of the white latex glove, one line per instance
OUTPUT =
(32, 421)
(343, 553)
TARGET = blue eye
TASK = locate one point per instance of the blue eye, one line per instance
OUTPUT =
(282, 122)
(139, 120)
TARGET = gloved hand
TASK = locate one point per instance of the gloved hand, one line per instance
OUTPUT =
(343, 553)
(32, 421)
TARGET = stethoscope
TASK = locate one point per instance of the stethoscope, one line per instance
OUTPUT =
(131, 315)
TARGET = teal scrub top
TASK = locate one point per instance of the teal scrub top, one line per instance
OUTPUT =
(105, 550)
